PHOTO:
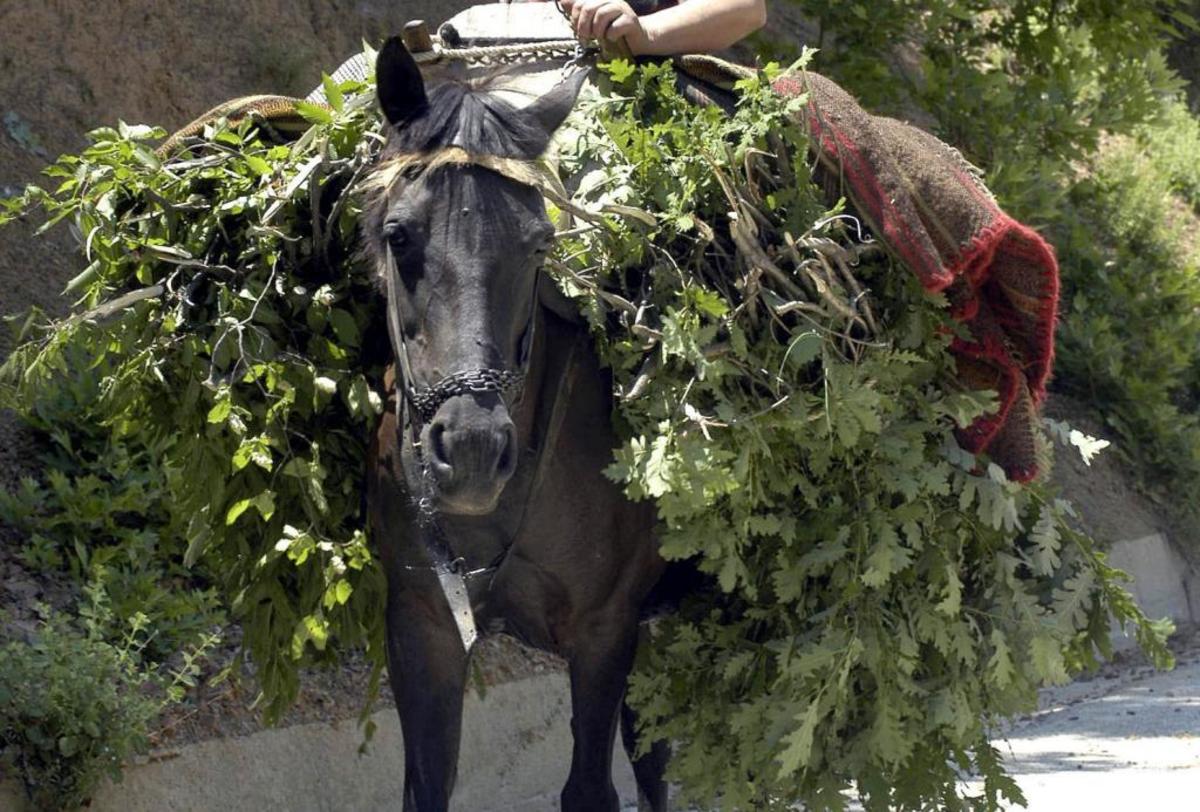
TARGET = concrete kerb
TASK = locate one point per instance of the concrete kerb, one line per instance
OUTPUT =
(516, 752)
(1163, 583)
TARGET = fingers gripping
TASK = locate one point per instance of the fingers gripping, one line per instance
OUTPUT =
(601, 19)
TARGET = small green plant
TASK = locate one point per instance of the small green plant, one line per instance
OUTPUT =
(99, 515)
(74, 706)
(102, 523)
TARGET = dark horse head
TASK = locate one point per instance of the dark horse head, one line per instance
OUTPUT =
(457, 230)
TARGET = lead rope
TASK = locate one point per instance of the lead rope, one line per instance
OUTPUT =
(500, 54)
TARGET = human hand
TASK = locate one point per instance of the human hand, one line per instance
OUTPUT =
(606, 19)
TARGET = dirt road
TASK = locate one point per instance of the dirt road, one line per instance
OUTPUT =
(1126, 740)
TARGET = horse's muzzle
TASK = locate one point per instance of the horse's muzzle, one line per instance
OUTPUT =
(471, 447)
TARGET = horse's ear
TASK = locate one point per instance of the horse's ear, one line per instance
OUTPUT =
(398, 83)
(552, 109)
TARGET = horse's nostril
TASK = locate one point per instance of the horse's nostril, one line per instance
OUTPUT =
(469, 457)
(507, 461)
(437, 443)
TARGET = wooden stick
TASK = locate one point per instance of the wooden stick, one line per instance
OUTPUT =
(416, 37)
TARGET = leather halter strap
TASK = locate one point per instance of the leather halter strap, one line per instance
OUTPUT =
(424, 401)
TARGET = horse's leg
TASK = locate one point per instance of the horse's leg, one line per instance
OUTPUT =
(600, 659)
(650, 768)
(428, 669)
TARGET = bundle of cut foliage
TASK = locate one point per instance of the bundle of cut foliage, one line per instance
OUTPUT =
(880, 599)
(223, 320)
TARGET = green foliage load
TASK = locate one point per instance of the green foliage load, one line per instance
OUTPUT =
(881, 604)
(236, 364)
(880, 597)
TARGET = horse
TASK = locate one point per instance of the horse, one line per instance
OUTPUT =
(485, 488)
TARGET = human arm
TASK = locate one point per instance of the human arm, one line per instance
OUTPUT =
(692, 26)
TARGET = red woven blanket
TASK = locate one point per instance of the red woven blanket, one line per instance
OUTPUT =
(928, 206)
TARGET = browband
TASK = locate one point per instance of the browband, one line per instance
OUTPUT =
(536, 173)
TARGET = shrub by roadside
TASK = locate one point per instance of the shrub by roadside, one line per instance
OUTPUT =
(76, 700)
(1130, 339)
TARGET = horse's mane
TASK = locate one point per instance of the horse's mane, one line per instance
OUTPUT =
(465, 122)
(471, 116)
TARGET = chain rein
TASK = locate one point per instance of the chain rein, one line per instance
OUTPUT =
(498, 55)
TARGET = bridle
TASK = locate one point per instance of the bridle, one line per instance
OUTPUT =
(419, 404)
(423, 402)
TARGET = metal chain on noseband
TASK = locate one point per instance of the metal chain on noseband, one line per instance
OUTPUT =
(506, 382)
(426, 400)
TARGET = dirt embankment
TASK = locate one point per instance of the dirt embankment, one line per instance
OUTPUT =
(67, 66)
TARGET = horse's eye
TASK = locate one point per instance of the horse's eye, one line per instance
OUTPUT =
(396, 235)
(544, 245)
(541, 237)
